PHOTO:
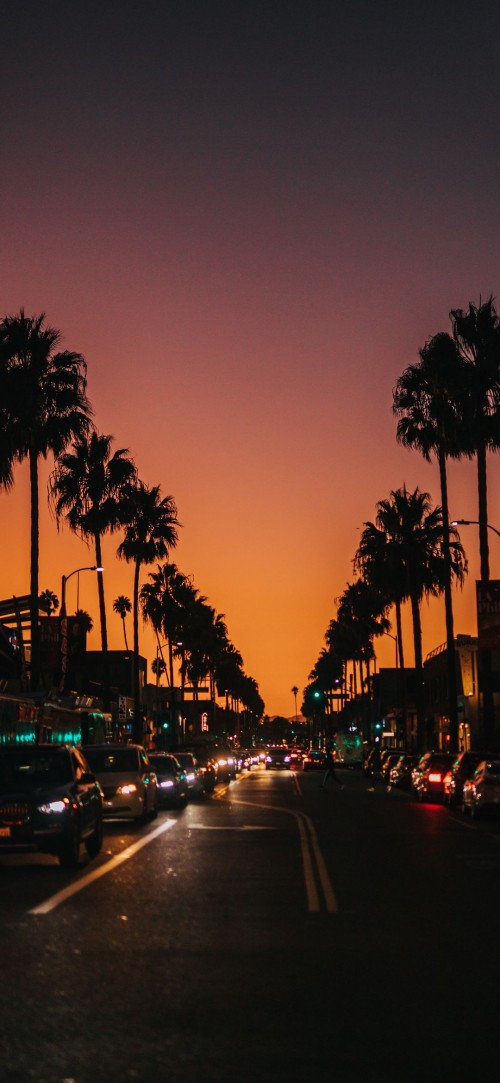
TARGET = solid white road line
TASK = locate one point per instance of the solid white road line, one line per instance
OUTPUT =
(78, 885)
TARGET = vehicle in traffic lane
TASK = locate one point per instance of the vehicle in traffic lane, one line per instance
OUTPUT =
(173, 788)
(50, 801)
(277, 758)
(127, 779)
(315, 759)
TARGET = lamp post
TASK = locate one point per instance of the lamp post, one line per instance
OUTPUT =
(474, 522)
(64, 620)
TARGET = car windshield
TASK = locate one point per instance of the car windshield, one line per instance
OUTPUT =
(186, 759)
(30, 768)
(111, 761)
(163, 765)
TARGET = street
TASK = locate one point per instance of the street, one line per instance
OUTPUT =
(273, 932)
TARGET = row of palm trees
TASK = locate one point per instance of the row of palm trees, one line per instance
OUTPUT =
(45, 410)
(447, 406)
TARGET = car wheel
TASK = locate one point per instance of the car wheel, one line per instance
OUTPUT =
(93, 844)
(69, 854)
(154, 812)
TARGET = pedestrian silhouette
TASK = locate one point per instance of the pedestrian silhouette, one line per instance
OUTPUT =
(330, 770)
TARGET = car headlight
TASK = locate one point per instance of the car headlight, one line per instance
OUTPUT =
(221, 763)
(166, 784)
(191, 777)
(54, 806)
(127, 788)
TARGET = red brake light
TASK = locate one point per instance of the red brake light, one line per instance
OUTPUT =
(435, 776)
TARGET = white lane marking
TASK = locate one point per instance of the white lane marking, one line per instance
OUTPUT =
(326, 884)
(297, 785)
(243, 827)
(95, 874)
(313, 904)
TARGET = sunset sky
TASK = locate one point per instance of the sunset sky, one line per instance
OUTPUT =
(249, 217)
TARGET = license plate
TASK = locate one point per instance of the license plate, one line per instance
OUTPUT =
(4, 832)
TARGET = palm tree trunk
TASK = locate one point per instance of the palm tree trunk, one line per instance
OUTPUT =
(125, 633)
(35, 654)
(401, 675)
(106, 694)
(419, 671)
(137, 727)
(483, 512)
(448, 604)
(485, 654)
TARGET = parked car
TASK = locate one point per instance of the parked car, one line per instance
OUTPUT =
(278, 758)
(481, 793)
(432, 768)
(371, 765)
(389, 761)
(462, 768)
(50, 801)
(127, 779)
(173, 789)
(400, 773)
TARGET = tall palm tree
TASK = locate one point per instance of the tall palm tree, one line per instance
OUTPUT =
(43, 407)
(415, 534)
(150, 525)
(122, 605)
(87, 486)
(163, 602)
(476, 333)
(428, 401)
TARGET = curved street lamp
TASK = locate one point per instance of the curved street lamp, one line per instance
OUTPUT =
(473, 522)
(64, 620)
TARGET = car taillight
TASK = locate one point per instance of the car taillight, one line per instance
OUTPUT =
(435, 776)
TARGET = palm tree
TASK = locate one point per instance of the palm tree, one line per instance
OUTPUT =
(163, 601)
(415, 535)
(88, 486)
(122, 605)
(48, 602)
(43, 407)
(428, 400)
(476, 333)
(150, 524)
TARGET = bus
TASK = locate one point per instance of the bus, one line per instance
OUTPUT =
(34, 719)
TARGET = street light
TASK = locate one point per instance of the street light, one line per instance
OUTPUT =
(395, 638)
(64, 620)
(88, 568)
(474, 522)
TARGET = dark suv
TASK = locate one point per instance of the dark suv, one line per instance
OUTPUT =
(49, 801)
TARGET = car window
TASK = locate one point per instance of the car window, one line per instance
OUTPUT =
(109, 761)
(27, 769)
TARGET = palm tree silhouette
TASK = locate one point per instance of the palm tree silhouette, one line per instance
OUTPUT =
(122, 605)
(87, 487)
(414, 535)
(150, 524)
(428, 401)
(43, 407)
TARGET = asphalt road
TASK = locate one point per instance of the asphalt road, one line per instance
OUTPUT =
(274, 932)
